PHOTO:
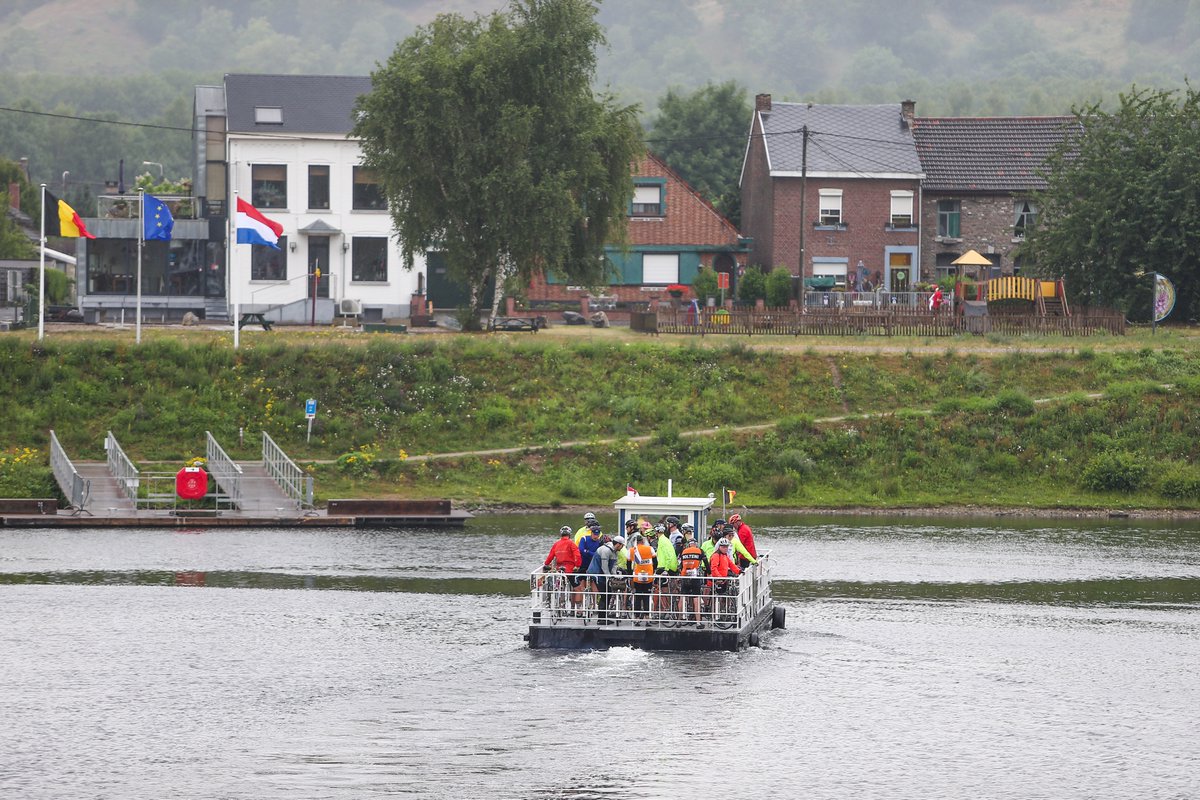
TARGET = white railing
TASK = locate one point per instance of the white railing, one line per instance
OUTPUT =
(121, 468)
(672, 601)
(224, 470)
(295, 482)
(69, 480)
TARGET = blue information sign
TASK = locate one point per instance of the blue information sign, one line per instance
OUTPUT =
(310, 408)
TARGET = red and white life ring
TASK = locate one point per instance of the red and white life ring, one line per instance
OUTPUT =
(191, 483)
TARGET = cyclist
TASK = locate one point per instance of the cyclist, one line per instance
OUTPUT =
(564, 554)
(588, 520)
(602, 567)
(693, 566)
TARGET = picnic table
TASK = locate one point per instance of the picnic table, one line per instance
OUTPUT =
(254, 318)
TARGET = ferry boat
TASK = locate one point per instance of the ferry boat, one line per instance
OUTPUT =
(685, 613)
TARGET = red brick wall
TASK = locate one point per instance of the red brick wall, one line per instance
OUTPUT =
(689, 219)
(866, 209)
(758, 200)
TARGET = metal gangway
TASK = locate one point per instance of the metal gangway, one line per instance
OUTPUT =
(296, 484)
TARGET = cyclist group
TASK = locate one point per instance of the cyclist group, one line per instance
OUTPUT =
(655, 571)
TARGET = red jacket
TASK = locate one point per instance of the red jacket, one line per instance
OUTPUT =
(565, 554)
(746, 537)
(721, 565)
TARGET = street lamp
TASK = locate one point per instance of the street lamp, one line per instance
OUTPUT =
(66, 172)
(155, 164)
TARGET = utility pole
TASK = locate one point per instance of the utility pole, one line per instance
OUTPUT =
(803, 196)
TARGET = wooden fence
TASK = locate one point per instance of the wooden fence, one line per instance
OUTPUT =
(874, 322)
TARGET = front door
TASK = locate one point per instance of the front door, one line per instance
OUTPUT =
(900, 270)
(318, 259)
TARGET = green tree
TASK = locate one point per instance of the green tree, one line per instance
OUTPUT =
(491, 146)
(1123, 201)
(702, 136)
(778, 287)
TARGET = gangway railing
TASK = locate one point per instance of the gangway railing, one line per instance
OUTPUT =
(295, 482)
(73, 485)
(121, 468)
(575, 601)
(225, 470)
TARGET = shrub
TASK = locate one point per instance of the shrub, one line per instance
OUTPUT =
(1014, 402)
(780, 486)
(752, 286)
(704, 285)
(1179, 481)
(793, 460)
(1114, 471)
(778, 287)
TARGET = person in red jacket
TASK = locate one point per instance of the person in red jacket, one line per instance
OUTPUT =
(564, 554)
(746, 537)
(724, 571)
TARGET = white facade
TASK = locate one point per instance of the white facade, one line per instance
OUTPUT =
(308, 230)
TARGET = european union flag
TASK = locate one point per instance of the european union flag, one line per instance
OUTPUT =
(157, 222)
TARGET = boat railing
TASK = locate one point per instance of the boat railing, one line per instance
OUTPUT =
(574, 600)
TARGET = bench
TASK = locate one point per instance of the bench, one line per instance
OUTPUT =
(387, 508)
(27, 505)
(533, 324)
(252, 318)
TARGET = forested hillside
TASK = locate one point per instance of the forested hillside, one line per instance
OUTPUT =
(136, 60)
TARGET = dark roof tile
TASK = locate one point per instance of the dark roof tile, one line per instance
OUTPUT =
(988, 154)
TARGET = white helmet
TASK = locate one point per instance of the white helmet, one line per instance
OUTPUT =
(722, 542)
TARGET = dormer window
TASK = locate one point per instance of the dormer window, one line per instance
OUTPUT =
(268, 115)
(647, 200)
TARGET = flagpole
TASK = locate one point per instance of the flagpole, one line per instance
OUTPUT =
(229, 214)
(42, 272)
(141, 245)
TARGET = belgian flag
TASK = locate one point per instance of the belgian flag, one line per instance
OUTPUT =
(728, 496)
(62, 220)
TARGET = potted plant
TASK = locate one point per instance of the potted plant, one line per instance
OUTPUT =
(676, 290)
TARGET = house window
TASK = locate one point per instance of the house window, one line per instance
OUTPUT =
(944, 265)
(368, 194)
(369, 259)
(268, 115)
(1024, 214)
(647, 201)
(902, 209)
(949, 213)
(660, 268)
(269, 264)
(318, 186)
(268, 185)
(830, 212)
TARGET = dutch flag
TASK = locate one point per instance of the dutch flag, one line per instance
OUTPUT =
(254, 228)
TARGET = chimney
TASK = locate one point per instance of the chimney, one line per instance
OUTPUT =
(762, 102)
(908, 110)
(14, 196)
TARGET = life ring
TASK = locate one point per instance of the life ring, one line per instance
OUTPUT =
(191, 483)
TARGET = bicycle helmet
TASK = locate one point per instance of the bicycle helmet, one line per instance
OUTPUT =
(687, 526)
(719, 523)
(672, 520)
(605, 539)
(734, 519)
(589, 517)
(565, 530)
(594, 526)
(722, 542)
(631, 523)
(660, 528)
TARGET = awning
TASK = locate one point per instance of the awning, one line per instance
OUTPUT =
(820, 283)
(319, 228)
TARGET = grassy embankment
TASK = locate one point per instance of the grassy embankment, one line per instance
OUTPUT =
(923, 423)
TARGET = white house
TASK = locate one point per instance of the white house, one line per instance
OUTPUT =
(282, 144)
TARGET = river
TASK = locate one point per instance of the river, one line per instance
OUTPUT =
(922, 658)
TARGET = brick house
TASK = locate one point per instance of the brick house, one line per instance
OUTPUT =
(980, 173)
(862, 185)
(672, 233)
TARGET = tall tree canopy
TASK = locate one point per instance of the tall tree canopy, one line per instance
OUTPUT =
(702, 136)
(1123, 201)
(491, 146)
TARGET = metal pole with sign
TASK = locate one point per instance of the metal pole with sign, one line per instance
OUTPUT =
(310, 411)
